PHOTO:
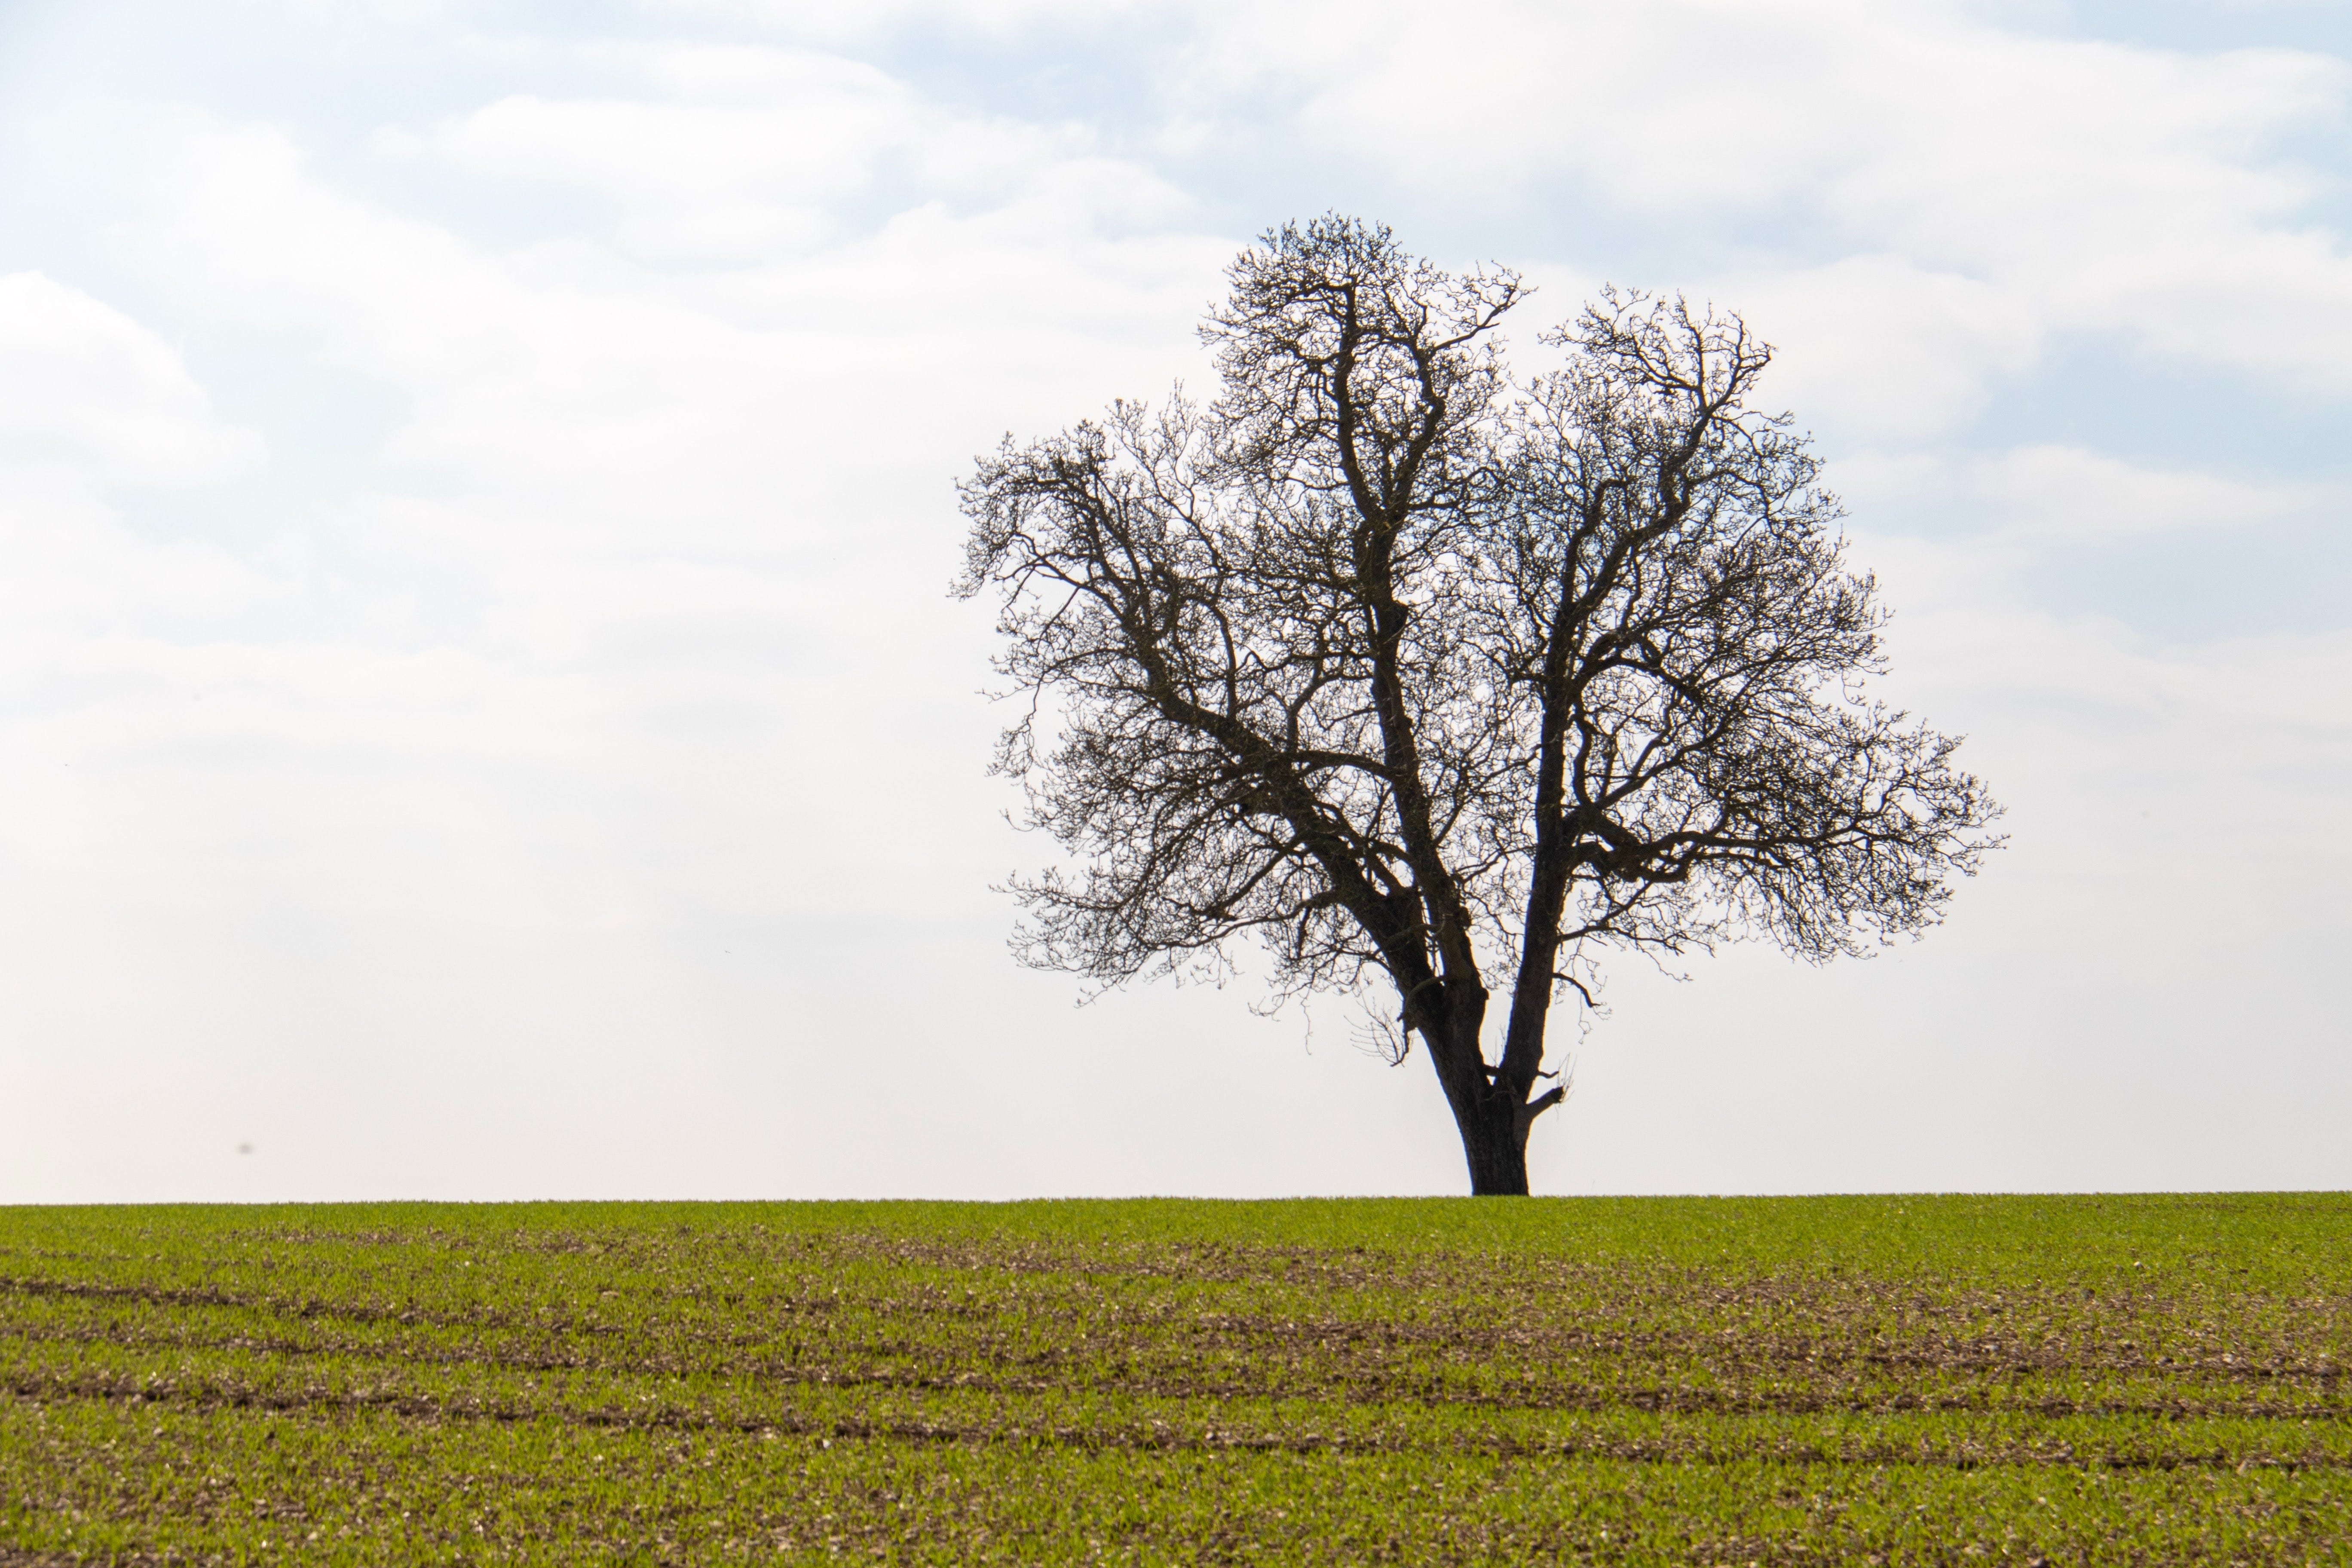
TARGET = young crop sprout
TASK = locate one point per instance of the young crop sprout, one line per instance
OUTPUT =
(1428, 679)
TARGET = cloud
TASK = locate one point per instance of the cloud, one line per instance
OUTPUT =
(2064, 495)
(1880, 346)
(389, 296)
(648, 573)
(2015, 506)
(717, 181)
(1905, 167)
(604, 399)
(738, 153)
(577, 786)
(835, 22)
(89, 396)
(96, 407)
(1996, 184)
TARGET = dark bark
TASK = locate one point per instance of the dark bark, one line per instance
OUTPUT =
(1494, 1143)
(1490, 1117)
(1409, 671)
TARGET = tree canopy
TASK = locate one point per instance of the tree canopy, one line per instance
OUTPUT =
(1428, 677)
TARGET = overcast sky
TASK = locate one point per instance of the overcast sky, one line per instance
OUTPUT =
(480, 713)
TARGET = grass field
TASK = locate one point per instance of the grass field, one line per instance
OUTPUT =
(1679, 1381)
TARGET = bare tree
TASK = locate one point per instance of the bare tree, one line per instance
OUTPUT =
(1416, 673)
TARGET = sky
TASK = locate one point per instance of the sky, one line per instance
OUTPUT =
(481, 713)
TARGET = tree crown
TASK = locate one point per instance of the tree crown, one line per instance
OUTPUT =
(1409, 668)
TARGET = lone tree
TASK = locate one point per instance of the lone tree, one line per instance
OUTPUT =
(1410, 669)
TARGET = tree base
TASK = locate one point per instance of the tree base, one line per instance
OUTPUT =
(1495, 1149)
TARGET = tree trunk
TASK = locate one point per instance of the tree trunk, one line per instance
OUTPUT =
(1494, 1143)
(1492, 1120)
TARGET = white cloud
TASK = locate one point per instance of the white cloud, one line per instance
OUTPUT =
(2063, 495)
(760, 76)
(638, 631)
(720, 181)
(1880, 345)
(822, 19)
(88, 393)
(580, 789)
(739, 156)
(391, 296)
(742, 153)
(2015, 505)
(1882, 477)
(609, 401)
(2010, 184)
(94, 405)
(1986, 188)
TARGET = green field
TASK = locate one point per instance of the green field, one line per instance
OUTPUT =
(1683, 1381)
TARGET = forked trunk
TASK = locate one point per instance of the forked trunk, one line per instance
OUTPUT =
(1492, 1120)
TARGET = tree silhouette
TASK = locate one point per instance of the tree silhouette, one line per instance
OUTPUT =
(1416, 672)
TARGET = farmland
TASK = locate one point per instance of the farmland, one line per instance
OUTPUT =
(1888, 1379)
